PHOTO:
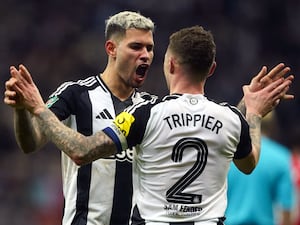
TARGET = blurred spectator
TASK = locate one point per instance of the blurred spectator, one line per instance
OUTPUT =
(266, 196)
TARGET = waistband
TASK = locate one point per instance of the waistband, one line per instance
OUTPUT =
(219, 221)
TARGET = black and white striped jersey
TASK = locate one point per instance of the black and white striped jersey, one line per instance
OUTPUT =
(101, 192)
(184, 145)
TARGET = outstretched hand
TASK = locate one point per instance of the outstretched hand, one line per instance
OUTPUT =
(21, 91)
(261, 102)
(264, 78)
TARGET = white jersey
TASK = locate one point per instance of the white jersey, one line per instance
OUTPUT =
(184, 145)
(99, 193)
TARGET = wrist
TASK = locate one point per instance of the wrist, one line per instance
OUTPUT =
(38, 110)
(254, 113)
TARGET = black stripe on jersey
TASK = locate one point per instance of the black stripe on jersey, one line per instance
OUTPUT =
(102, 85)
(136, 217)
(245, 146)
(84, 126)
(122, 200)
(172, 96)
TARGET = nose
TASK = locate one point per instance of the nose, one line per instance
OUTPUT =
(145, 55)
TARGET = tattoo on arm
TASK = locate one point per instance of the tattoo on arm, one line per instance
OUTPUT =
(242, 107)
(82, 149)
(254, 122)
(27, 131)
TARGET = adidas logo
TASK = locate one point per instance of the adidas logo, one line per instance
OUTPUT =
(104, 115)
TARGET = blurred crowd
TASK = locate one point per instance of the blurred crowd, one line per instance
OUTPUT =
(63, 40)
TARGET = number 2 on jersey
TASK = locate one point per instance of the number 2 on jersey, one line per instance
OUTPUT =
(175, 193)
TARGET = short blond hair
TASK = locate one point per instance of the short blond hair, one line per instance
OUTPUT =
(120, 22)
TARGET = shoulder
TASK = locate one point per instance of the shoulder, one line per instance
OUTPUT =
(145, 96)
(142, 101)
(75, 86)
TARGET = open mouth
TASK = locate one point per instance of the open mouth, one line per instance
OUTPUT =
(142, 69)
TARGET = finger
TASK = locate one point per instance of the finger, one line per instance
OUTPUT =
(288, 97)
(10, 83)
(273, 85)
(10, 97)
(25, 73)
(245, 89)
(17, 75)
(290, 77)
(281, 89)
(20, 80)
(9, 101)
(12, 68)
(261, 74)
(18, 87)
(13, 71)
(276, 73)
(10, 94)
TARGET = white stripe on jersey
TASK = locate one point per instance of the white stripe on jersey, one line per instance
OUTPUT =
(90, 81)
(140, 102)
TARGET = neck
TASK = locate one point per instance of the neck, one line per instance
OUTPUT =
(117, 86)
(186, 87)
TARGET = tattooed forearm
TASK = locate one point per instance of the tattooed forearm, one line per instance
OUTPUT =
(27, 132)
(254, 122)
(242, 107)
(82, 149)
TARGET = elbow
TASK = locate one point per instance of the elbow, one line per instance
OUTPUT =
(246, 165)
(79, 160)
(248, 171)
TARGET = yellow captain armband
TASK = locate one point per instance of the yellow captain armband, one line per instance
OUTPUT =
(124, 121)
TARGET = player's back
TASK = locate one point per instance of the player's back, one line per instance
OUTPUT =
(183, 159)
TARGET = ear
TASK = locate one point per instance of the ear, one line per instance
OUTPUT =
(212, 69)
(172, 63)
(110, 48)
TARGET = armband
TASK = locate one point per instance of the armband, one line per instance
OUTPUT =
(117, 137)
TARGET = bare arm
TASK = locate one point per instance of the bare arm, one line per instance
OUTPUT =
(81, 149)
(27, 132)
(258, 104)
(247, 164)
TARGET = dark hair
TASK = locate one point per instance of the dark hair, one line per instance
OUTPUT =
(195, 49)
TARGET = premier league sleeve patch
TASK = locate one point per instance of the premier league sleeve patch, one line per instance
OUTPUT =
(51, 101)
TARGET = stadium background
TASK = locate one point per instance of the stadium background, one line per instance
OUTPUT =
(63, 40)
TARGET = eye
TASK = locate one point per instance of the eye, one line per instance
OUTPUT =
(136, 46)
(149, 48)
